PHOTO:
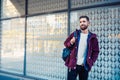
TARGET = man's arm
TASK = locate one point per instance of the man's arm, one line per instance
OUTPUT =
(68, 43)
(95, 50)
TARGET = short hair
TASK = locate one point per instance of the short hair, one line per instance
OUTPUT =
(84, 17)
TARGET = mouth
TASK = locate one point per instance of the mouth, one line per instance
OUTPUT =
(82, 25)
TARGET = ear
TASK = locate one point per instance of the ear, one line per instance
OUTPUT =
(88, 22)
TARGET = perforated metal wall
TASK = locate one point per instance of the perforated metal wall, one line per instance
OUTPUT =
(105, 23)
(46, 28)
(12, 8)
(12, 45)
(42, 6)
(44, 46)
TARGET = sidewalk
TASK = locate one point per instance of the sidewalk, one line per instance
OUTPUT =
(4, 76)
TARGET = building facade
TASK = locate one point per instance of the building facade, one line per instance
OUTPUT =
(32, 33)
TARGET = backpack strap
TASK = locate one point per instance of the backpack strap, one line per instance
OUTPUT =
(75, 35)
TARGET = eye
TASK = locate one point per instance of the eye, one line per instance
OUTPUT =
(84, 21)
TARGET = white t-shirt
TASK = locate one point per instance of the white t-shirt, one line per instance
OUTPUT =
(82, 48)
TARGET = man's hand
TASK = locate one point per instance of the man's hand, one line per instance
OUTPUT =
(72, 41)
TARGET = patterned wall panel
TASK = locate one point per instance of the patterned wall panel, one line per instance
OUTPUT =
(12, 45)
(45, 36)
(106, 24)
(12, 8)
(41, 6)
(84, 3)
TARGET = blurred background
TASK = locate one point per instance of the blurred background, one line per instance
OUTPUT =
(32, 33)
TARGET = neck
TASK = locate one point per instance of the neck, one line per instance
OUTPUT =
(85, 31)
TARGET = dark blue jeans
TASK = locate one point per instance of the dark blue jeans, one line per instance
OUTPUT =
(80, 70)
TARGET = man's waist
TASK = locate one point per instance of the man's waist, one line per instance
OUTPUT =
(80, 64)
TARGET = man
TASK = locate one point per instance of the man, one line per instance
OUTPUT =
(84, 51)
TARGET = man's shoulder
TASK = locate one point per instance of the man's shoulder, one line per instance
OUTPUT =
(94, 35)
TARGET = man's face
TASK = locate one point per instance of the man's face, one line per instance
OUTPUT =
(84, 23)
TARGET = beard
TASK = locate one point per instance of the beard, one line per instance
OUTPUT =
(83, 27)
